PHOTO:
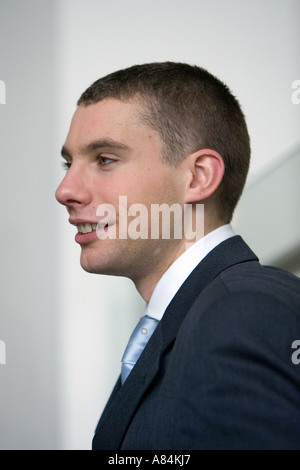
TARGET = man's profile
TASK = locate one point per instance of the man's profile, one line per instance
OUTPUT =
(215, 369)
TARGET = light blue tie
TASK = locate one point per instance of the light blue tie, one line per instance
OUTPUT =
(138, 340)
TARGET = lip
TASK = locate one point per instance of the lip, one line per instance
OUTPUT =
(84, 238)
(82, 221)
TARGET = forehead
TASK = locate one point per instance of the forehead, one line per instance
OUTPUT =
(110, 118)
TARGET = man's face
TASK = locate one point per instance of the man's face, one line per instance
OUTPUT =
(111, 153)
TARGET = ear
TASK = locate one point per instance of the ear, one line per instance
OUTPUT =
(206, 168)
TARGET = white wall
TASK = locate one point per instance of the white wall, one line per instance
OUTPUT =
(29, 237)
(59, 317)
(268, 213)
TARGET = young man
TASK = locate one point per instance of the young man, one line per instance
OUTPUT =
(217, 372)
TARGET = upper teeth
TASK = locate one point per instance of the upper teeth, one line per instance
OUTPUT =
(86, 228)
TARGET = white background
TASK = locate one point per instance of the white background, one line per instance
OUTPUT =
(65, 330)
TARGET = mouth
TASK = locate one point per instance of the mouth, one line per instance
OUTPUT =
(89, 232)
(86, 228)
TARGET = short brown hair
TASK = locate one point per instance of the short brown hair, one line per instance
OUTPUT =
(191, 110)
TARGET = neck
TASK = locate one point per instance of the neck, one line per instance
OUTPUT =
(146, 283)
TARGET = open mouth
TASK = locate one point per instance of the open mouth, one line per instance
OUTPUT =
(86, 228)
(88, 232)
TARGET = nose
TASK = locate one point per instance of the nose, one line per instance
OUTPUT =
(73, 190)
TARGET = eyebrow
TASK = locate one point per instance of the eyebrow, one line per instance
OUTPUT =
(101, 144)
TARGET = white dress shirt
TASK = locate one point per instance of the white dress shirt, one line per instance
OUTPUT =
(179, 271)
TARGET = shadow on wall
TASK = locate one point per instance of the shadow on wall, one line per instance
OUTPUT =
(268, 213)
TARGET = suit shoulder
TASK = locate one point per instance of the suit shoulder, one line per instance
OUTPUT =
(262, 282)
(247, 304)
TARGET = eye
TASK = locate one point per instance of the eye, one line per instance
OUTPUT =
(66, 165)
(103, 160)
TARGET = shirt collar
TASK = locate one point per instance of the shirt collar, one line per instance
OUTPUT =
(179, 271)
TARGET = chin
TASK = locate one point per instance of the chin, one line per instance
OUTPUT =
(92, 268)
(90, 265)
(89, 269)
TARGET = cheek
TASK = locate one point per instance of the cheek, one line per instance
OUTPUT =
(139, 187)
(108, 191)
(159, 190)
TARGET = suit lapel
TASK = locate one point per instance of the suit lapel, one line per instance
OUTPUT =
(230, 252)
(125, 399)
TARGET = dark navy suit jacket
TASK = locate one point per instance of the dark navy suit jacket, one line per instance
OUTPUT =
(218, 371)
